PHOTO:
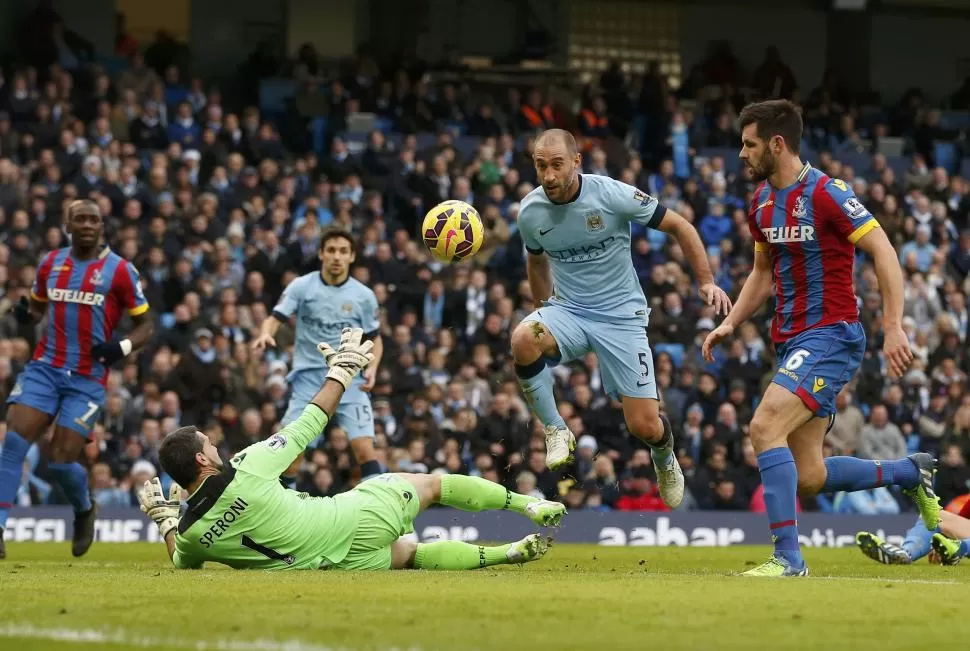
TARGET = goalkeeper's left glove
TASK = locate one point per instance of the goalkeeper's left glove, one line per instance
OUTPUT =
(109, 352)
(350, 357)
(164, 512)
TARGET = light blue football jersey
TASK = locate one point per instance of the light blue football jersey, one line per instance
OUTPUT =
(322, 312)
(587, 241)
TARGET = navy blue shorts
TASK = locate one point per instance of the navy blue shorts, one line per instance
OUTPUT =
(817, 363)
(75, 399)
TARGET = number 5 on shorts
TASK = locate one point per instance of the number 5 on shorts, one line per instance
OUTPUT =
(646, 368)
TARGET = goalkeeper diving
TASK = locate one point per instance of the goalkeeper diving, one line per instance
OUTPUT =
(239, 514)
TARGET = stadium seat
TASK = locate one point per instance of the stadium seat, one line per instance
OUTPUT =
(945, 155)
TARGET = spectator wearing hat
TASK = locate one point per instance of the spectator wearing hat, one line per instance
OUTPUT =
(198, 378)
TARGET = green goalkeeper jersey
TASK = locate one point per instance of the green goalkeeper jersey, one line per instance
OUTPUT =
(245, 518)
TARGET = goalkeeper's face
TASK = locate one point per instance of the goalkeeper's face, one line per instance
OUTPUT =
(209, 456)
(759, 161)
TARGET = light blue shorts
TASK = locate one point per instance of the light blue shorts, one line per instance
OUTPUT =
(354, 414)
(623, 351)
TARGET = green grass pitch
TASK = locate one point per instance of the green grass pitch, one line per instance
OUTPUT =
(127, 596)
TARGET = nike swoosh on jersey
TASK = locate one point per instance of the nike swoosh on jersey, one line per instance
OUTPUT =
(543, 232)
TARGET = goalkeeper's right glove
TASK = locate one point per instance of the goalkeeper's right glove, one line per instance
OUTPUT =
(350, 358)
(164, 512)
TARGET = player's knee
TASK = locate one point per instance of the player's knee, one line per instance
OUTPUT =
(65, 446)
(761, 431)
(402, 554)
(363, 449)
(645, 426)
(526, 345)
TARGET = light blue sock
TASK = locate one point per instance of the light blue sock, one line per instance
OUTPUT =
(73, 480)
(12, 457)
(917, 542)
(662, 452)
(965, 547)
(536, 382)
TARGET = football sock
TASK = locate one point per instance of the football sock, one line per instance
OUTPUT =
(780, 479)
(661, 452)
(917, 542)
(73, 480)
(535, 379)
(851, 474)
(965, 547)
(370, 469)
(12, 456)
(457, 555)
(477, 494)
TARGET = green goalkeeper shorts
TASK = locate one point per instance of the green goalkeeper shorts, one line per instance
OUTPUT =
(388, 506)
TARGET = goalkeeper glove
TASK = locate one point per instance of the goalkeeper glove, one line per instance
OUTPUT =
(21, 311)
(109, 352)
(164, 512)
(350, 358)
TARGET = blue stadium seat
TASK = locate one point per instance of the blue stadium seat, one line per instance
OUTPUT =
(319, 129)
(676, 352)
(955, 120)
(965, 168)
(945, 155)
(273, 94)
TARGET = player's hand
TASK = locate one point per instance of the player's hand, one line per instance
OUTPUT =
(107, 352)
(21, 311)
(163, 511)
(714, 295)
(262, 341)
(716, 336)
(370, 378)
(350, 358)
(896, 349)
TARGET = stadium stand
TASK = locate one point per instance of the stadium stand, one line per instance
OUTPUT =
(219, 199)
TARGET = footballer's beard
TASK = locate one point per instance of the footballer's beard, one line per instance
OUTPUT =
(763, 169)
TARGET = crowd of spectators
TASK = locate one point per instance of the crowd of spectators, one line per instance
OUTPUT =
(219, 212)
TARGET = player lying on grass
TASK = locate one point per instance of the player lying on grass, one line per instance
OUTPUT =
(947, 545)
(240, 515)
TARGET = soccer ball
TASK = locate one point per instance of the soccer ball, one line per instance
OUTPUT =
(453, 231)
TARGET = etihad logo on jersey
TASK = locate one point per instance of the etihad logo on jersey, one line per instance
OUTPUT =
(75, 296)
(582, 253)
(788, 234)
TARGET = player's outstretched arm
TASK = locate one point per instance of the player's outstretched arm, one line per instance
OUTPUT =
(540, 276)
(268, 459)
(756, 291)
(267, 333)
(890, 276)
(690, 241)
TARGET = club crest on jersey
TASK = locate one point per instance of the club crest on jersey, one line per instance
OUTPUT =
(97, 278)
(347, 308)
(799, 210)
(595, 222)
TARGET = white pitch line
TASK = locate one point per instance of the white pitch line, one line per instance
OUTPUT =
(875, 579)
(128, 639)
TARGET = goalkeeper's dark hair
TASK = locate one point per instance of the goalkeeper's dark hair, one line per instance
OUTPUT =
(333, 233)
(776, 117)
(177, 455)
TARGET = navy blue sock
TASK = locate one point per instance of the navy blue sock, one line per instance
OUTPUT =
(369, 469)
(11, 471)
(780, 479)
(288, 481)
(537, 387)
(851, 474)
(73, 480)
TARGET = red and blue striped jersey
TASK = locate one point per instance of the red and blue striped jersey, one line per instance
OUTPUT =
(85, 299)
(809, 231)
